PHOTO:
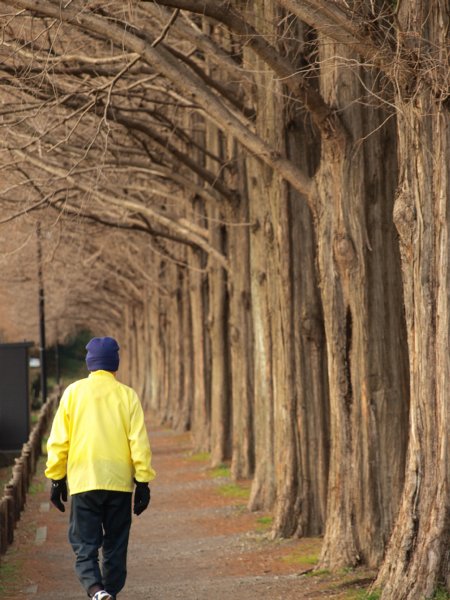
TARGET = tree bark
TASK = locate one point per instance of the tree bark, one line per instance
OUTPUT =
(417, 558)
(368, 402)
(201, 411)
(187, 353)
(308, 507)
(147, 365)
(241, 332)
(276, 433)
(221, 402)
(156, 357)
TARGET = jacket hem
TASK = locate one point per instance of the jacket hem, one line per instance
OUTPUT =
(92, 488)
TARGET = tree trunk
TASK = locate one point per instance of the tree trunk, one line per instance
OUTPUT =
(201, 405)
(220, 387)
(262, 186)
(147, 366)
(127, 348)
(221, 404)
(156, 357)
(359, 277)
(311, 380)
(263, 484)
(186, 357)
(172, 364)
(241, 335)
(417, 557)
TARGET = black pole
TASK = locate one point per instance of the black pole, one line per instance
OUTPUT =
(41, 316)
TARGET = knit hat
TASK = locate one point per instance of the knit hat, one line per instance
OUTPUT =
(102, 353)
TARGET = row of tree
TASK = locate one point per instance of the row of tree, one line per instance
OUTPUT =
(254, 198)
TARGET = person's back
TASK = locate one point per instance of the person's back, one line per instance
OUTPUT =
(102, 412)
(99, 443)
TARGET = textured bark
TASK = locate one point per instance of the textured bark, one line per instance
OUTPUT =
(221, 404)
(220, 386)
(308, 507)
(229, 293)
(186, 358)
(262, 186)
(172, 364)
(137, 366)
(276, 432)
(126, 365)
(156, 357)
(417, 557)
(241, 337)
(263, 484)
(201, 404)
(145, 335)
(367, 396)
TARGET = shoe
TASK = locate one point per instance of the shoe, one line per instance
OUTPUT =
(102, 595)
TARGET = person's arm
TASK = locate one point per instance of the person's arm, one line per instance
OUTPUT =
(57, 452)
(58, 444)
(141, 456)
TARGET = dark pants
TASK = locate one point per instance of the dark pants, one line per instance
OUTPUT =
(101, 519)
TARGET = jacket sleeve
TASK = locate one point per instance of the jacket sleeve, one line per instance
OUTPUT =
(58, 443)
(141, 454)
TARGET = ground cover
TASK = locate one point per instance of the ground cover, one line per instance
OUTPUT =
(197, 542)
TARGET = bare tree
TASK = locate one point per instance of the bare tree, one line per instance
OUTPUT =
(315, 126)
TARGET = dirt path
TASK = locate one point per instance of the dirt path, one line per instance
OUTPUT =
(197, 542)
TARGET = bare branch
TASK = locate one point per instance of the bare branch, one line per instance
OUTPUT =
(165, 31)
(322, 115)
(182, 229)
(137, 41)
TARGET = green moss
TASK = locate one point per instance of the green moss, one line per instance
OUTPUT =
(234, 490)
(221, 471)
(363, 595)
(36, 488)
(8, 569)
(264, 523)
(200, 457)
(375, 594)
(9, 575)
(358, 585)
(301, 559)
(441, 594)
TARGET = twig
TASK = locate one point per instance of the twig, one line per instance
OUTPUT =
(165, 31)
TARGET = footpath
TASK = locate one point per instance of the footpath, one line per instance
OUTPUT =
(197, 541)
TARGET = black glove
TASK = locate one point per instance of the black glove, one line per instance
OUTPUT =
(58, 493)
(141, 497)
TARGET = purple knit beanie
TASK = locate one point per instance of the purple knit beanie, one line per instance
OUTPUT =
(102, 353)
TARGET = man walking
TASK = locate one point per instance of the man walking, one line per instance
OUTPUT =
(99, 445)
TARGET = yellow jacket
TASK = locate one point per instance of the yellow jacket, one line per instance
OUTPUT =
(98, 437)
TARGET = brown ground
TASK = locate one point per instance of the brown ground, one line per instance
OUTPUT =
(196, 542)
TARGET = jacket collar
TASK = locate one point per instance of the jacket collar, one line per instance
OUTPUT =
(101, 373)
